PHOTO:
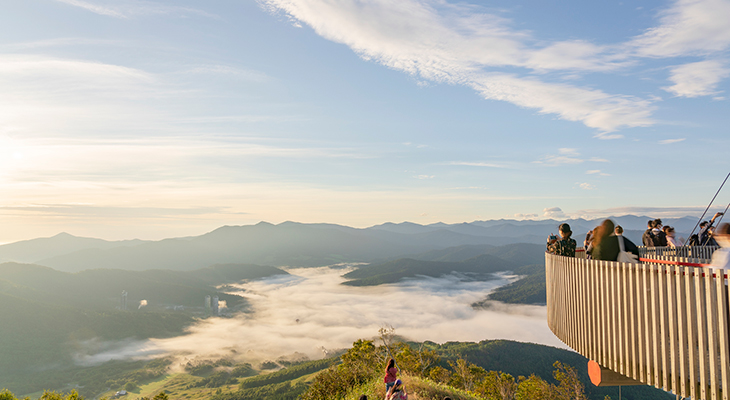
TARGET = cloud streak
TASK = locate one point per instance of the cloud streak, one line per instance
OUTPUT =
(697, 79)
(687, 27)
(567, 156)
(451, 43)
(134, 8)
(465, 45)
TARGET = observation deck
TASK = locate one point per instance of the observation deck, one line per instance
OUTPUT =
(663, 322)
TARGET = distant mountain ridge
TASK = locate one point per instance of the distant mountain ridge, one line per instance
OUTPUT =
(394, 271)
(480, 261)
(297, 244)
(28, 251)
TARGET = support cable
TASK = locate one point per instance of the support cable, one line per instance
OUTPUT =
(708, 207)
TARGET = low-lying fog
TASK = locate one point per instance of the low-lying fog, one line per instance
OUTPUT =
(309, 312)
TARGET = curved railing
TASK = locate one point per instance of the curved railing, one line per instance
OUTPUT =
(656, 323)
(694, 252)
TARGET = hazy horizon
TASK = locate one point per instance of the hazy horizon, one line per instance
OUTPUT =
(673, 213)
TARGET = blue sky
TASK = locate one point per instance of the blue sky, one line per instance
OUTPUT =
(151, 119)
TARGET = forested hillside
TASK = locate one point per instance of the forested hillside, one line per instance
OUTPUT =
(393, 271)
(54, 319)
(476, 371)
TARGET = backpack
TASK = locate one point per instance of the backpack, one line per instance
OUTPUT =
(649, 239)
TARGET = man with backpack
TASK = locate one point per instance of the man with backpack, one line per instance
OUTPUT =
(704, 238)
(660, 238)
(648, 237)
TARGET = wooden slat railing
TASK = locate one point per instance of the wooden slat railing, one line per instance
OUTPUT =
(663, 325)
(699, 252)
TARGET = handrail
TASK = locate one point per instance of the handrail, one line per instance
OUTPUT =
(672, 262)
(660, 324)
(681, 251)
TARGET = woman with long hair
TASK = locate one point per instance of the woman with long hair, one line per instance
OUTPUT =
(390, 374)
(671, 236)
(605, 243)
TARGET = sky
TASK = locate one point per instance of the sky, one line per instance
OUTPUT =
(148, 119)
(310, 312)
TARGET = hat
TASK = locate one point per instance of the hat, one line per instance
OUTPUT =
(398, 382)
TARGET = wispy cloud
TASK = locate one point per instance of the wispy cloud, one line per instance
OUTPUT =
(566, 156)
(597, 172)
(60, 42)
(643, 211)
(229, 71)
(465, 45)
(697, 79)
(687, 27)
(521, 216)
(586, 186)
(110, 212)
(670, 141)
(476, 164)
(145, 159)
(134, 8)
(453, 44)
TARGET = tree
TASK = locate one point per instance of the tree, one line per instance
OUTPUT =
(418, 361)
(48, 395)
(569, 385)
(440, 375)
(7, 395)
(161, 396)
(534, 388)
(466, 374)
(498, 385)
(387, 336)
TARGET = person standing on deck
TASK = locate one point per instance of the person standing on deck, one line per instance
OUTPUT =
(565, 246)
(671, 236)
(705, 227)
(721, 256)
(660, 239)
(605, 244)
(648, 237)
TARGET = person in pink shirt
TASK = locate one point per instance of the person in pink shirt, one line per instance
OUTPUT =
(397, 392)
(390, 374)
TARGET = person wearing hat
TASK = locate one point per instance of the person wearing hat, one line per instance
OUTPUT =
(565, 246)
(397, 392)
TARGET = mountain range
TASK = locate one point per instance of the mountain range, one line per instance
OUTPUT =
(298, 244)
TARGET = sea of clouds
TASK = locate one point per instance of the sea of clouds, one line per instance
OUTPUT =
(310, 312)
